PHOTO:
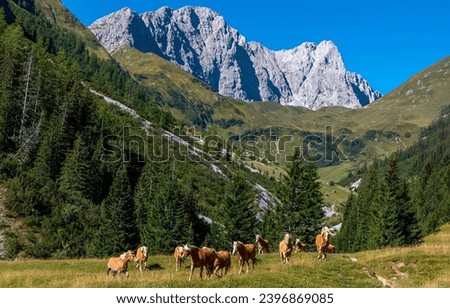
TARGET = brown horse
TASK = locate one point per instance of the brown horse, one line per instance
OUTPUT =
(120, 264)
(299, 247)
(262, 244)
(200, 257)
(245, 253)
(285, 248)
(331, 248)
(222, 262)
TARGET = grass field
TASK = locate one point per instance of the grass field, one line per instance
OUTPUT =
(426, 265)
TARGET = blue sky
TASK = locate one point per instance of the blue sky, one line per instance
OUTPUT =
(386, 41)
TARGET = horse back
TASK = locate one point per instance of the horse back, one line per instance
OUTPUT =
(320, 242)
(251, 251)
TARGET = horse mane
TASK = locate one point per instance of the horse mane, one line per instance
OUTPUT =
(287, 238)
(192, 247)
(122, 256)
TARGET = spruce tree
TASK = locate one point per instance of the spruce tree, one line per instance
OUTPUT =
(116, 232)
(237, 213)
(170, 217)
(300, 211)
(76, 174)
(346, 238)
(3, 23)
(12, 59)
(398, 223)
(368, 224)
(145, 191)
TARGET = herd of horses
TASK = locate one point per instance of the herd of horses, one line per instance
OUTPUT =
(219, 262)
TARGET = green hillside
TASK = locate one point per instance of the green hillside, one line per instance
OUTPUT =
(77, 167)
(391, 123)
(61, 16)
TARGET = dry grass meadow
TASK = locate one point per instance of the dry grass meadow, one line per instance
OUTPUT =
(426, 265)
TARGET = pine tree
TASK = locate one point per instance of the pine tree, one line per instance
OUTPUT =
(116, 233)
(166, 210)
(238, 211)
(398, 223)
(12, 59)
(300, 211)
(346, 238)
(76, 174)
(368, 223)
(145, 191)
(3, 23)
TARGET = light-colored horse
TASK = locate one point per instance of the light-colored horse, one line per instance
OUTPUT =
(245, 253)
(285, 248)
(322, 242)
(178, 251)
(141, 257)
(120, 264)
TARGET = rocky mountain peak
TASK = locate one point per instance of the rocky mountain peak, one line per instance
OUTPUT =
(200, 41)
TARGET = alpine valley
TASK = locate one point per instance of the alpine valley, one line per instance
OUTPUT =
(164, 128)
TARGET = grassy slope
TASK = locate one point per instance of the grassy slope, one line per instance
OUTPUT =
(407, 109)
(61, 16)
(427, 265)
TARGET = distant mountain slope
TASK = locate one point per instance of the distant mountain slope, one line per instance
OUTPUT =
(58, 14)
(201, 42)
(393, 122)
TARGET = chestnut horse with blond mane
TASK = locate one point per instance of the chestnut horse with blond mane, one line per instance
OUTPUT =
(262, 244)
(222, 263)
(200, 257)
(245, 253)
(285, 248)
(120, 264)
(322, 243)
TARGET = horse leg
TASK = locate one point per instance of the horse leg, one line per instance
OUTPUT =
(241, 264)
(201, 272)
(216, 271)
(192, 271)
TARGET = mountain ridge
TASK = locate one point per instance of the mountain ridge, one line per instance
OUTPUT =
(201, 42)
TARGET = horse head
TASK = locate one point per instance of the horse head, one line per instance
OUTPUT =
(258, 237)
(287, 238)
(184, 252)
(235, 246)
(128, 256)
